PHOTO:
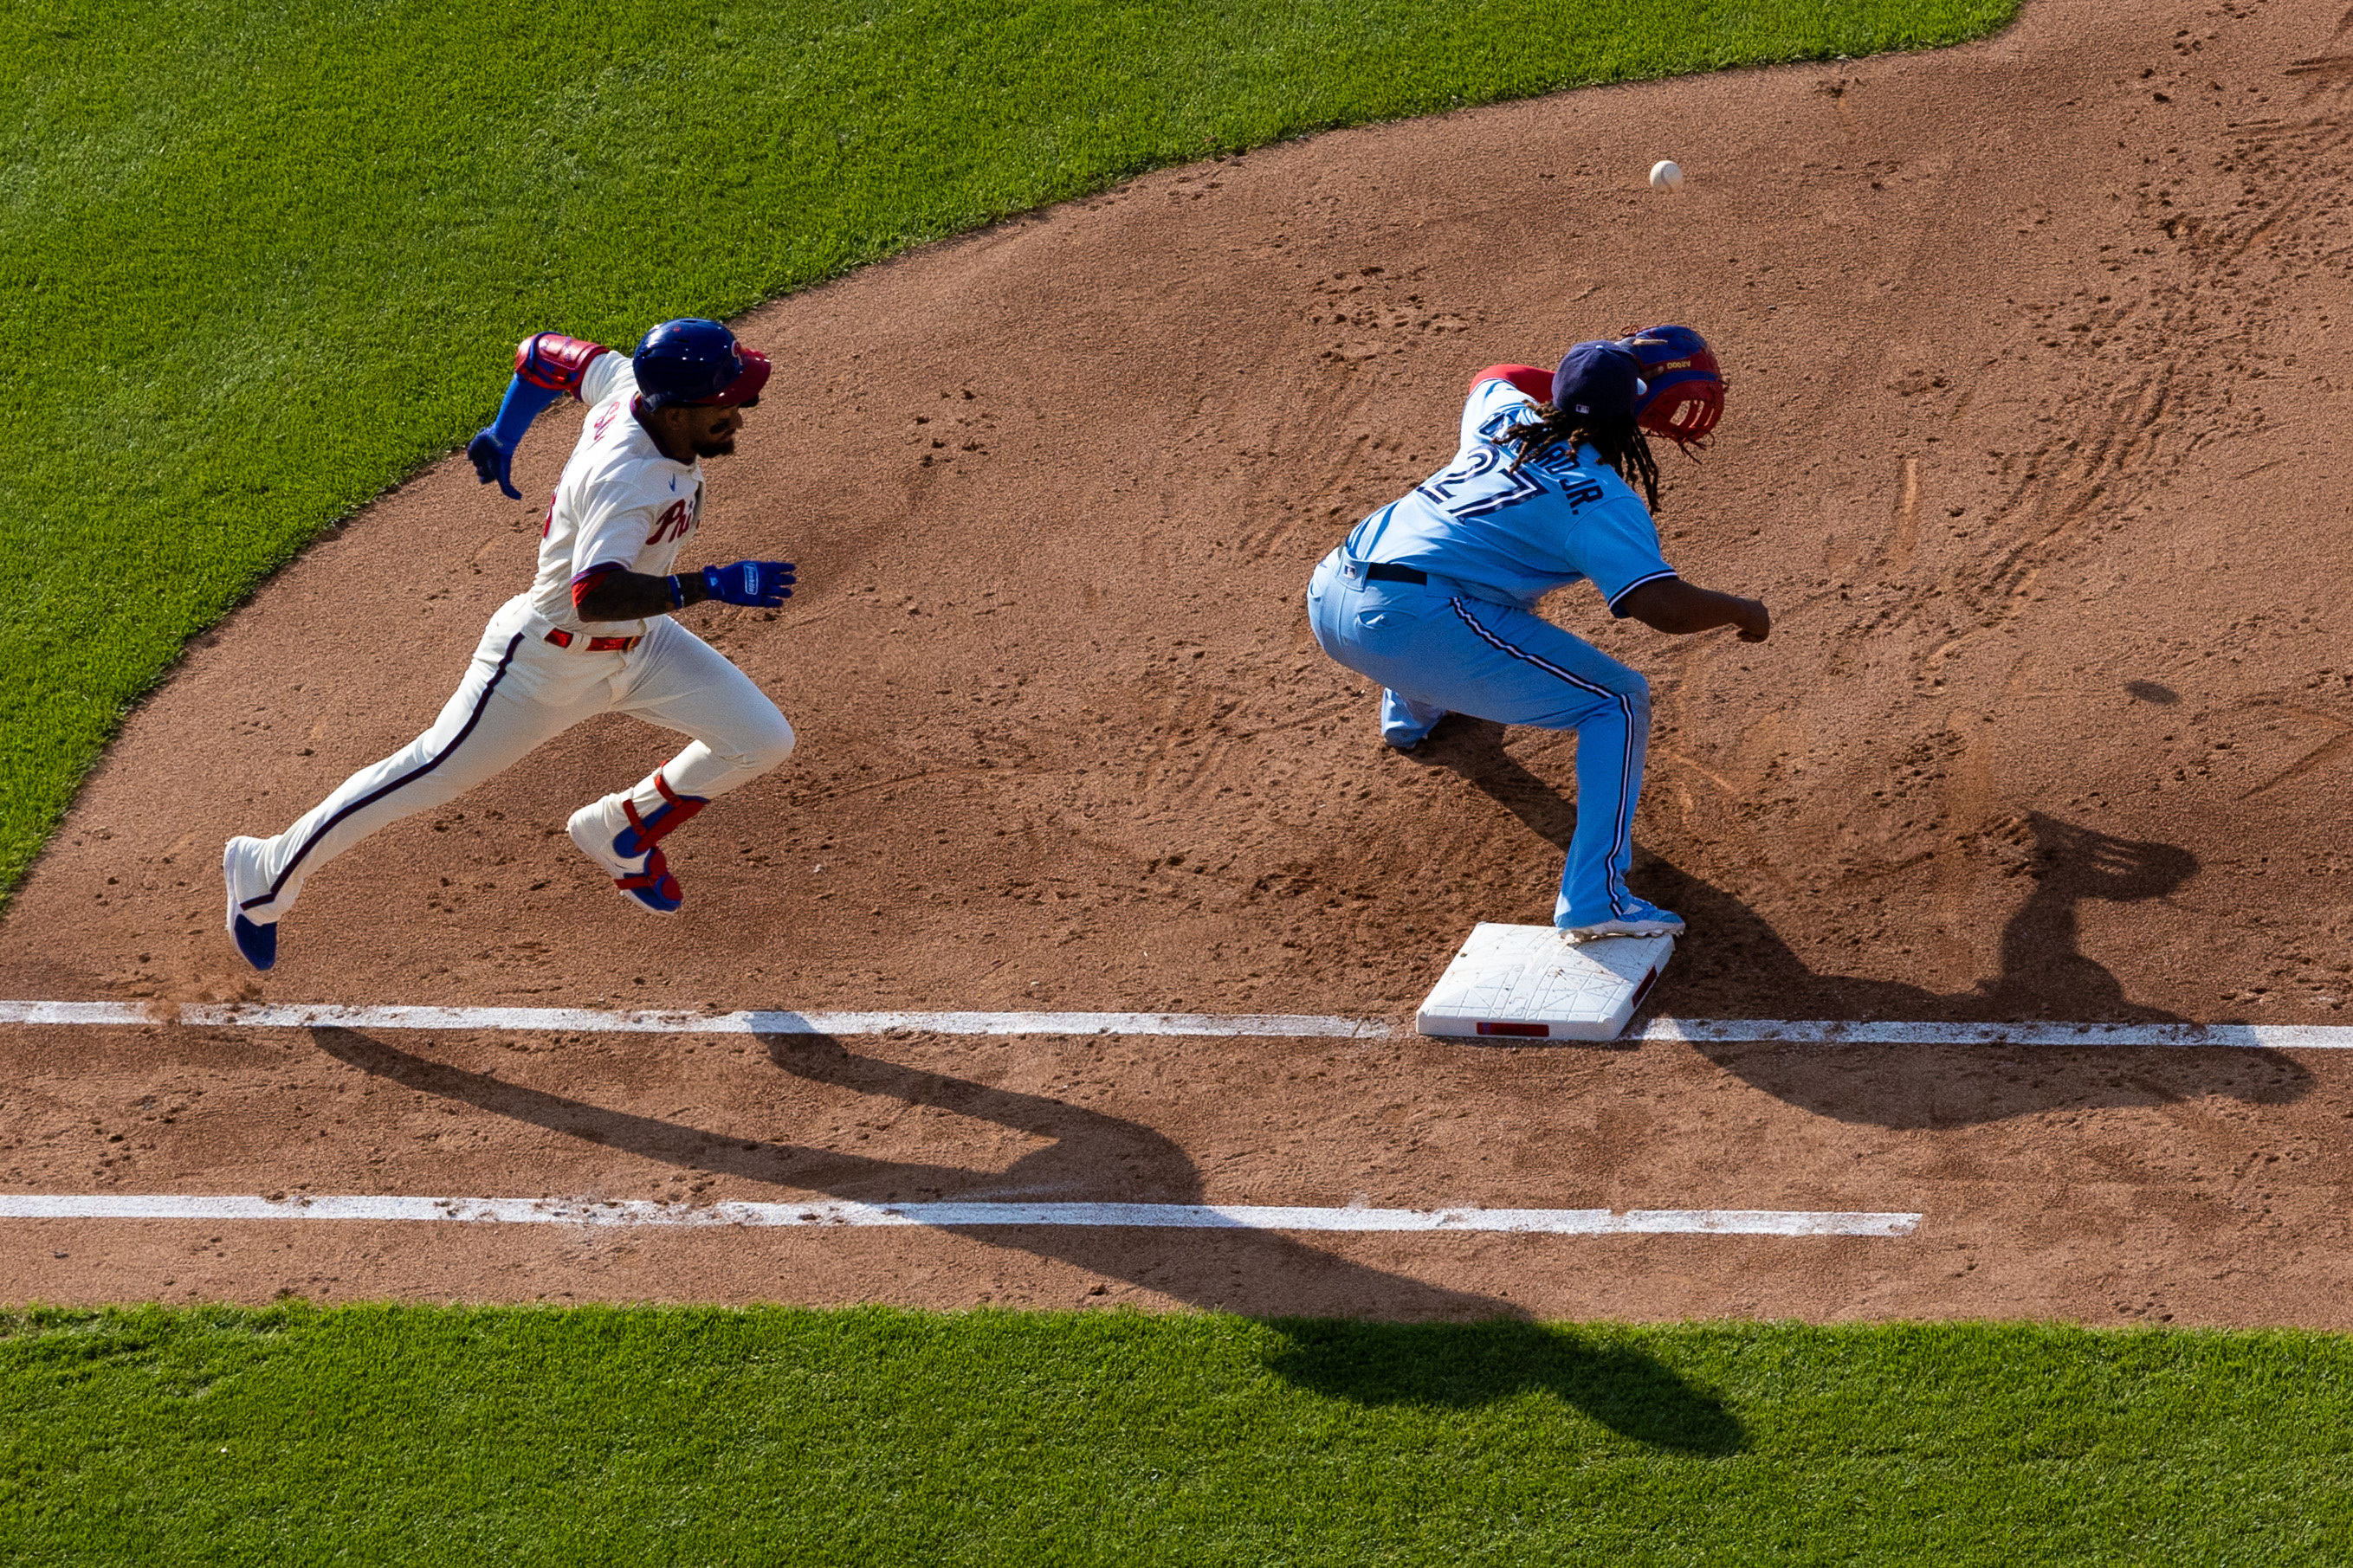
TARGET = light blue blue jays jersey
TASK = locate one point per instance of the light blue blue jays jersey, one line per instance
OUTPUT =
(1515, 537)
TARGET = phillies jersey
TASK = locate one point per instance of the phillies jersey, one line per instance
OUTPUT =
(620, 503)
(1563, 518)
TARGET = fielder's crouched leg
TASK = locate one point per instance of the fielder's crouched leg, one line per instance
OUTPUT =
(1406, 724)
(1438, 650)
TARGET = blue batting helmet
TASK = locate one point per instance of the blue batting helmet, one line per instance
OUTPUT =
(691, 360)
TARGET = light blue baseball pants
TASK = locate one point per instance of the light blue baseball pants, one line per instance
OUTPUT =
(1438, 650)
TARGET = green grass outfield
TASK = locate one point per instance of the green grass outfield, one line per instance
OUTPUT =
(777, 1435)
(260, 259)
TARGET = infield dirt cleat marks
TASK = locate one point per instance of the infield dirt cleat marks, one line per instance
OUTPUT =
(2027, 856)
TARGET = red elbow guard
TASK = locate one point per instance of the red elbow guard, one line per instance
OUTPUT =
(556, 361)
(1528, 378)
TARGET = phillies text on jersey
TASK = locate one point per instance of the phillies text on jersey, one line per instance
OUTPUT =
(620, 504)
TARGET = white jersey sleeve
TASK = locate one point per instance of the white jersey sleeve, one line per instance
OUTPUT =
(609, 375)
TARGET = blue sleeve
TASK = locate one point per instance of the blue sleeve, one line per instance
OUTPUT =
(523, 404)
(1617, 545)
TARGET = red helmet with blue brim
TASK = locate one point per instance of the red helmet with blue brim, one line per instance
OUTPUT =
(697, 362)
(744, 390)
(1686, 385)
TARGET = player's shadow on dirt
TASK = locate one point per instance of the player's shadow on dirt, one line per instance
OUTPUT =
(1465, 1348)
(1742, 968)
(1738, 966)
(1473, 749)
(2044, 975)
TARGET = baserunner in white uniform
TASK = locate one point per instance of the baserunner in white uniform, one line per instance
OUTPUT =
(593, 635)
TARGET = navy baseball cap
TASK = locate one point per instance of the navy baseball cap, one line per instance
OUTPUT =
(1600, 380)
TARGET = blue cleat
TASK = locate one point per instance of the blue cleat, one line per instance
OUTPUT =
(1406, 724)
(628, 847)
(1641, 919)
(259, 943)
(258, 940)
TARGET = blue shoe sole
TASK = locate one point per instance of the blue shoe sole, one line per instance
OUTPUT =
(257, 942)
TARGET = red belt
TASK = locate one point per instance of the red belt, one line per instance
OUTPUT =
(564, 639)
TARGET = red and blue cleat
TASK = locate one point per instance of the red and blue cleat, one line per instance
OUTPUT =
(629, 846)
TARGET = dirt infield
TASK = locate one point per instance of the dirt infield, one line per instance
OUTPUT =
(2037, 351)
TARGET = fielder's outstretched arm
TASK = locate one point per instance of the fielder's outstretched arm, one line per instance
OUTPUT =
(1670, 605)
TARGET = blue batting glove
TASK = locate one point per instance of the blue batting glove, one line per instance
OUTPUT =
(761, 584)
(494, 448)
(490, 459)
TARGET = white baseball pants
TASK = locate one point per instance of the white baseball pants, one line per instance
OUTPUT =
(520, 691)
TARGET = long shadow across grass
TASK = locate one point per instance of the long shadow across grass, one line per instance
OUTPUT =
(1352, 1331)
(1741, 967)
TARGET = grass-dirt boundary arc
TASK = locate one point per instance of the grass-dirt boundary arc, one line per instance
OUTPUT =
(259, 262)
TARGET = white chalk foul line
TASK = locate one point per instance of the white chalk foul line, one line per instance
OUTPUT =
(1259, 1026)
(83, 1012)
(956, 1215)
(1835, 1032)
(584, 1020)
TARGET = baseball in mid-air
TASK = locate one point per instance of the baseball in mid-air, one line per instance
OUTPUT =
(1666, 174)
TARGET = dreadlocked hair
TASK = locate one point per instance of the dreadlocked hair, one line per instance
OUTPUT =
(1620, 442)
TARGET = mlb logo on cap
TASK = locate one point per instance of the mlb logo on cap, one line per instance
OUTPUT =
(1601, 380)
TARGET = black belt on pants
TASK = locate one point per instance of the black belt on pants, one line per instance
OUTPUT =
(1382, 571)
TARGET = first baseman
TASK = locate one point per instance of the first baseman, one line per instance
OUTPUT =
(1433, 595)
(592, 634)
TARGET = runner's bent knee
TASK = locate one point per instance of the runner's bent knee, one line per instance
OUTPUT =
(766, 744)
(752, 740)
